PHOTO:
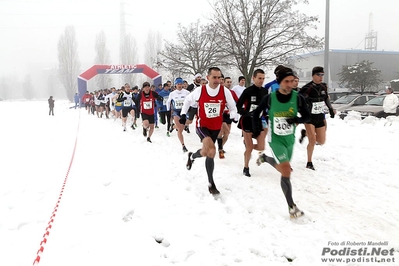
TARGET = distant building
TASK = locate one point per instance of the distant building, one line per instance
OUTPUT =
(395, 85)
(386, 61)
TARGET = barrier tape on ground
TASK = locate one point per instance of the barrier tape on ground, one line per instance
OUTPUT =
(50, 223)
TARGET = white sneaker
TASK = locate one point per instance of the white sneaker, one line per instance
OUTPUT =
(295, 212)
(261, 159)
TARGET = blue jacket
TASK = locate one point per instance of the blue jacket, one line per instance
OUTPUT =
(76, 98)
(165, 95)
(272, 85)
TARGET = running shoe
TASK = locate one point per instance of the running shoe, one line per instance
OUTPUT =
(213, 190)
(184, 149)
(309, 165)
(261, 159)
(295, 212)
(246, 171)
(168, 134)
(221, 154)
(149, 140)
(132, 126)
(189, 161)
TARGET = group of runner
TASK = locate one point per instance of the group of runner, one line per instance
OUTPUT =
(280, 106)
(260, 111)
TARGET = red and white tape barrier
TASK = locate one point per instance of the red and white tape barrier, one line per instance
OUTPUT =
(50, 223)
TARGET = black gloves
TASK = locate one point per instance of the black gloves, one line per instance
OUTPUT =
(332, 114)
(183, 119)
(292, 120)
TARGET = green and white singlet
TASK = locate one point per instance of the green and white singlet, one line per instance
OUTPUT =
(281, 135)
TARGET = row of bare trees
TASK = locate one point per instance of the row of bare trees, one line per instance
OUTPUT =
(243, 35)
(68, 59)
(69, 64)
(240, 34)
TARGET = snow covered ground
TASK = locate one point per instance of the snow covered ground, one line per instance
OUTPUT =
(119, 196)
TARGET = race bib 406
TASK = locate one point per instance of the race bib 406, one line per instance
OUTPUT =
(281, 127)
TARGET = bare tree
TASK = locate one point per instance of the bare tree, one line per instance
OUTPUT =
(129, 56)
(196, 50)
(102, 58)
(27, 88)
(68, 60)
(51, 84)
(153, 46)
(11, 87)
(4, 89)
(258, 33)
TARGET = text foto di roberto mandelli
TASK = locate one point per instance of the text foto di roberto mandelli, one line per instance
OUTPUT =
(355, 243)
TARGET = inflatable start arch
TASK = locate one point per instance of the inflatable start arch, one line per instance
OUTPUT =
(116, 69)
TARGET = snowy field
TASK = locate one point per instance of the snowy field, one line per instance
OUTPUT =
(123, 201)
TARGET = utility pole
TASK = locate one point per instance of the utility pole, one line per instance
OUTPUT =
(327, 46)
(122, 37)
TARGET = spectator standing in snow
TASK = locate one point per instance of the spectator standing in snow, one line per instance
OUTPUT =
(390, 103)
(76, 99)
(51, 105)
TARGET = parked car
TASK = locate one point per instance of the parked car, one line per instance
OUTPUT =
(371, 108)
(334, 95)
(349, 100)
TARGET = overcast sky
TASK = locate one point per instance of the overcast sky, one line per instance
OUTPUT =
(30, 29)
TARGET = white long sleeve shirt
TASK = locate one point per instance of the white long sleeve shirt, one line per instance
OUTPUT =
(238, 90)
(176, 98)
(196, 94)
(390, 103)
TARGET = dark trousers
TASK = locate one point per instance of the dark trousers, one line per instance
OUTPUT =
(385, 115)
(165, 118)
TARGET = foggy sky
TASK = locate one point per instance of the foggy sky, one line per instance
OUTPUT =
(31, 29)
